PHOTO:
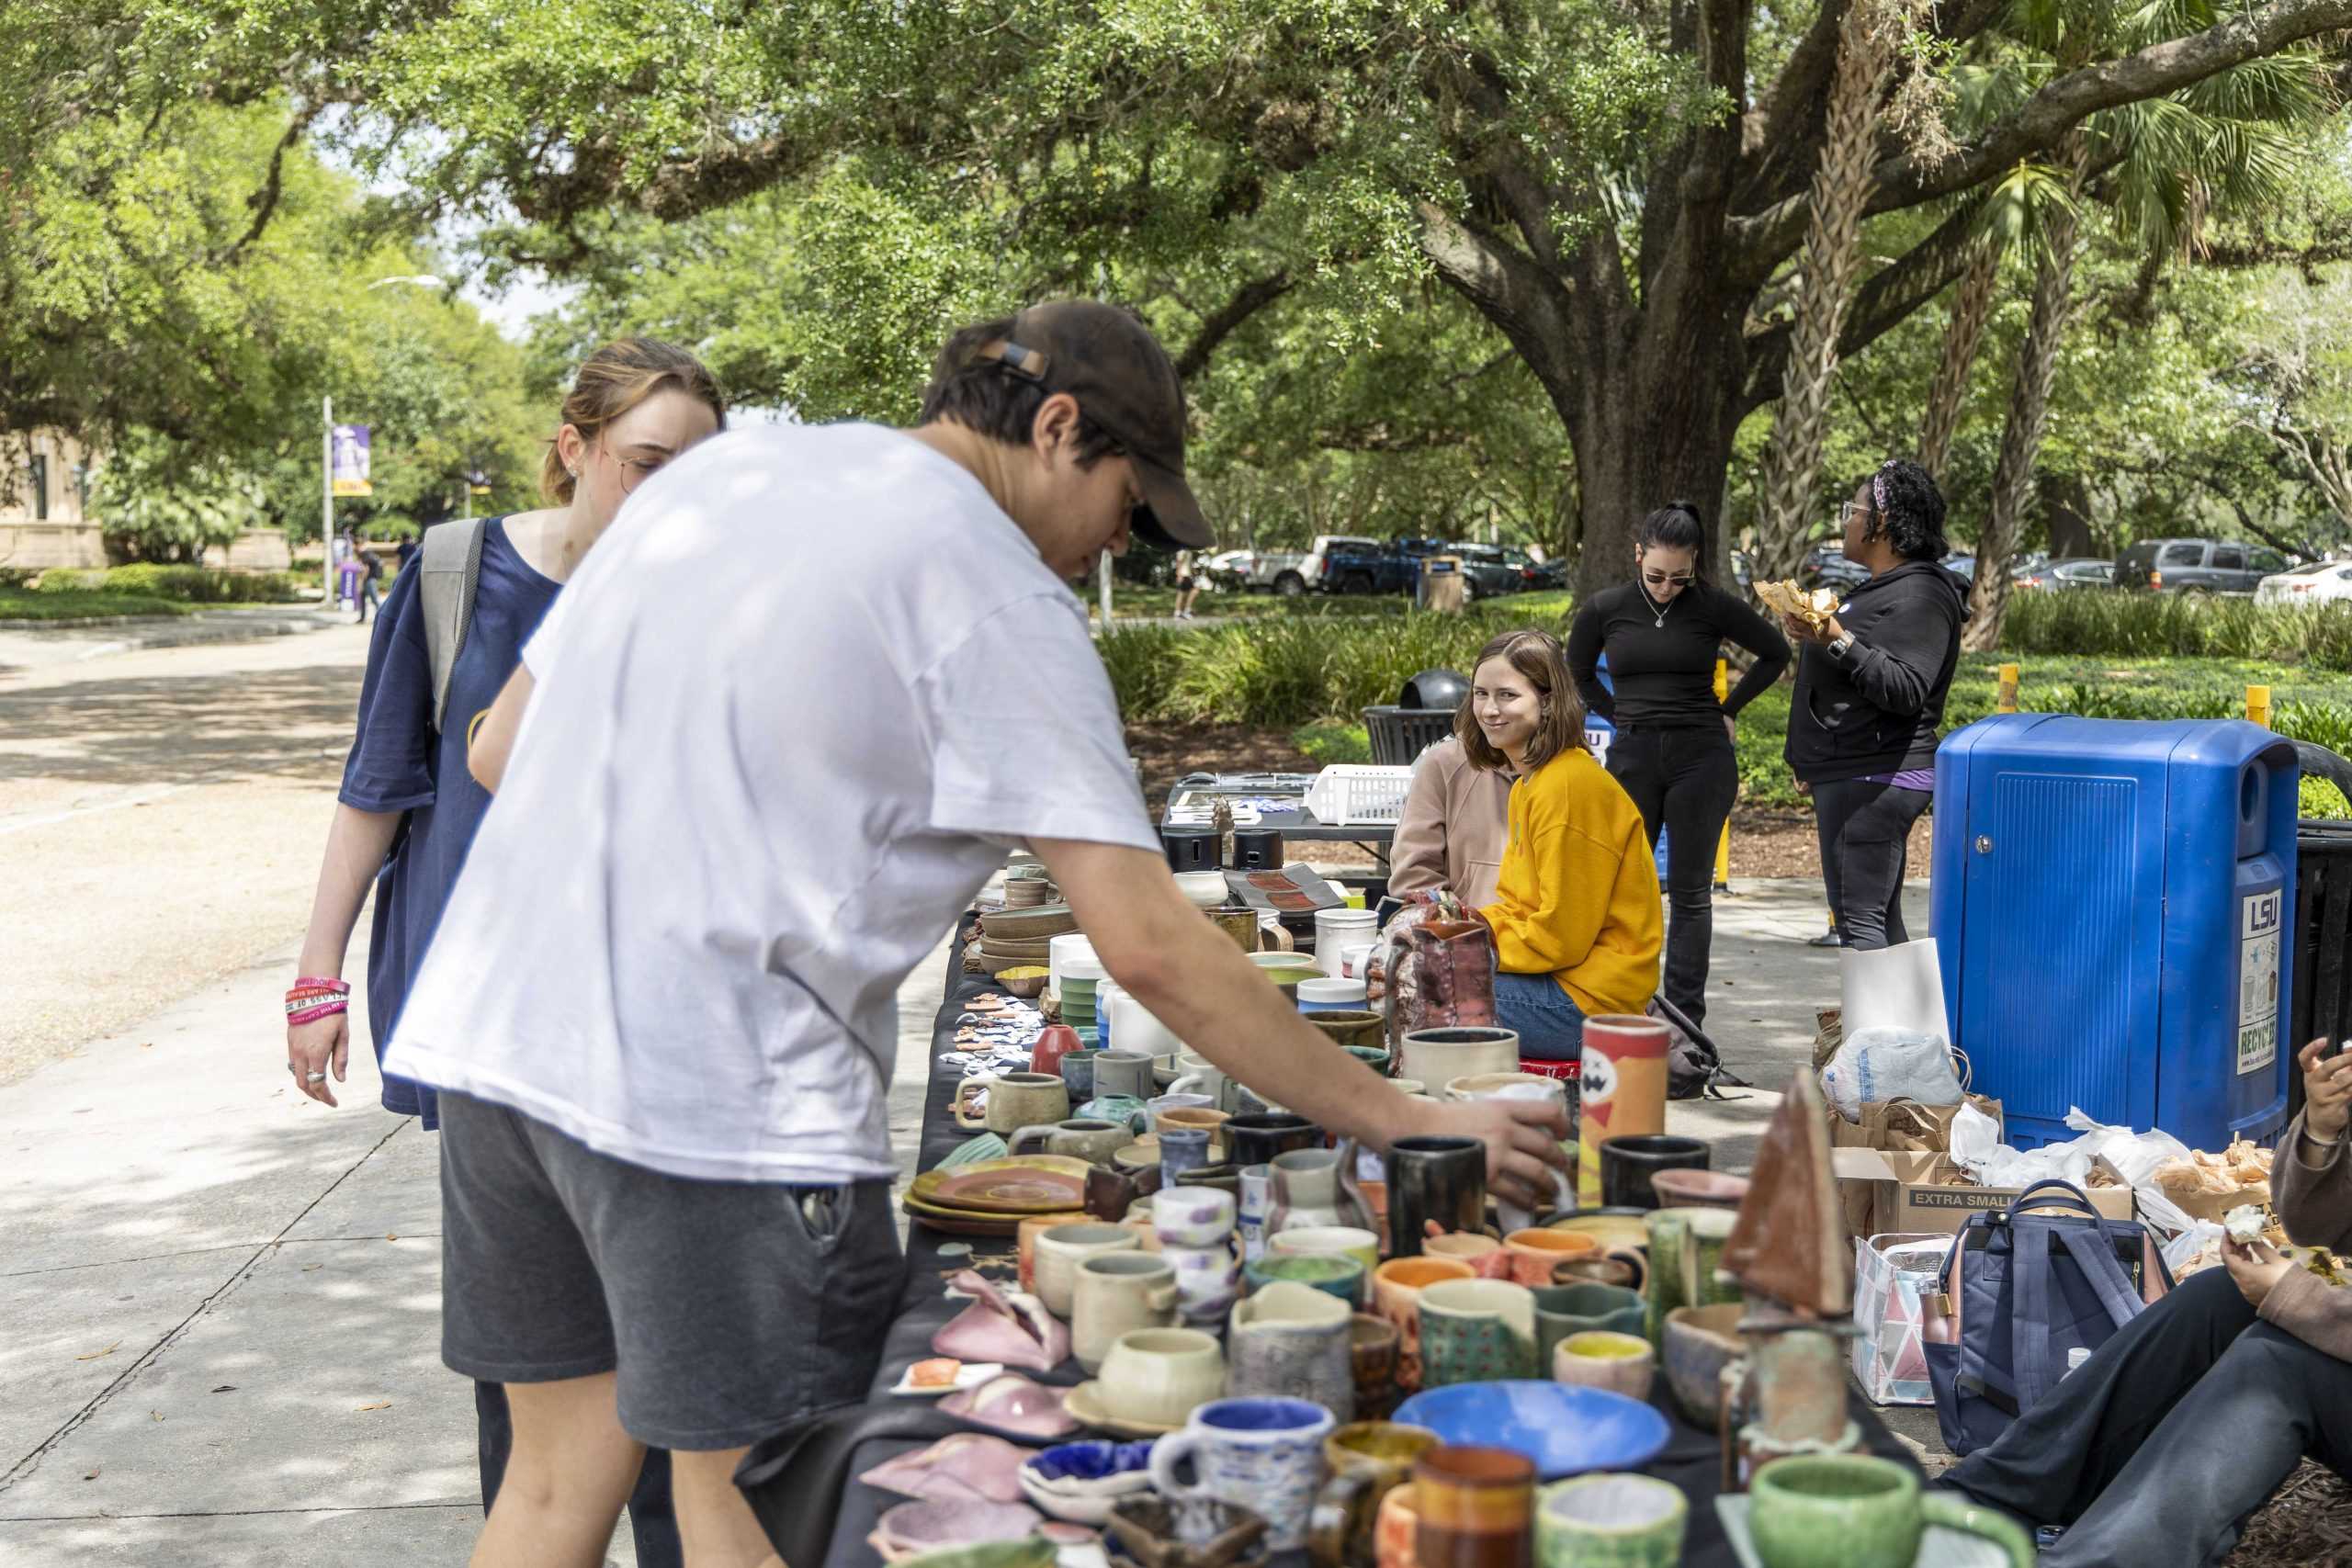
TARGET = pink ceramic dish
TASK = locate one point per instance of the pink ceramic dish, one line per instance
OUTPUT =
(912, 1528)
(1015, 1405)
(1002, 1326)
(966, 1468)
(1699, 1189)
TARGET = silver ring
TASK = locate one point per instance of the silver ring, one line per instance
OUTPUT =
(316, 1078)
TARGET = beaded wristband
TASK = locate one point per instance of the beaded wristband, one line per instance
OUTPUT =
(316, 1014)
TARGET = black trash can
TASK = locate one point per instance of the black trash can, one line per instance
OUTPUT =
(2321, 1004)
(1400, 734)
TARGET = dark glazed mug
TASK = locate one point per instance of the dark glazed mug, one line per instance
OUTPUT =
(1256, 1139)
(1627, 1165)
(1440, 1179)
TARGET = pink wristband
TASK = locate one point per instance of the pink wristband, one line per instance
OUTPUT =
(327, 1011)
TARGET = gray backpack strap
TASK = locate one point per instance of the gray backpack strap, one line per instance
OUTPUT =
(451, 563)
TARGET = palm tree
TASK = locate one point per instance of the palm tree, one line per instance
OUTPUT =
(1832, 258)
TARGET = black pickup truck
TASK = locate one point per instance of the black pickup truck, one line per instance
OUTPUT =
(1351, 566)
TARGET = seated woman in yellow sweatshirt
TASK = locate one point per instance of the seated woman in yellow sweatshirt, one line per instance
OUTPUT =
(1576, 914)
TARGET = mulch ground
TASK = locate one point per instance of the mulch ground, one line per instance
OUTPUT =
(1763, 843)
(2307, 1525)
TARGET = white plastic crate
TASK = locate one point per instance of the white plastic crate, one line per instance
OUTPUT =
(1348, 794)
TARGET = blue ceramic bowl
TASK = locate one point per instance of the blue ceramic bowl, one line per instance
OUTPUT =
(1565, 1431)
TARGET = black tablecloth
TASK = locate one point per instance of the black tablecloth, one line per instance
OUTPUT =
(802, 1481)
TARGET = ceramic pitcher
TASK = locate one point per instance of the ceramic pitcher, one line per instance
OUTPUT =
(1289, 1341)
(1317, 1187)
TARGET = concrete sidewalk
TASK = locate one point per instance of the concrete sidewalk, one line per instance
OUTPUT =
(33, 644)
(223, 1300)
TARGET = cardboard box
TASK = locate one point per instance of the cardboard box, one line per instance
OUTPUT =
(1922, 1193)
(1897, 1126)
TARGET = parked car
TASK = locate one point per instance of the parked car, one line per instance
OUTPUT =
(1961, 565)
(1366, 567)
(1290, 573)
(1496, 569)
(2316, 583)
(1228, 569)
(2071, 571)
(2196, 566)
(1825, 565)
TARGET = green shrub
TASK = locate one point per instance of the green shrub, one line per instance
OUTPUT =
(1332, 742)
(199, 585)
(2180, 625)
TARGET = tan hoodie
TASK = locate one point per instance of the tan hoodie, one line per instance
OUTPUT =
(1456, 820)
(2314, 1203)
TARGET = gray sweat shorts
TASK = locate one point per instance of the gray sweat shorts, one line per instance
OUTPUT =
(729, 1309)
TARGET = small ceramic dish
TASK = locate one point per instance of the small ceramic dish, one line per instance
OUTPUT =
(1084, 1405)
(1079, 1482)
(1202, 889)
(972, 1374)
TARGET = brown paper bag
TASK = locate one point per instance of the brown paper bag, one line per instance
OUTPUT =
(1894, 1126)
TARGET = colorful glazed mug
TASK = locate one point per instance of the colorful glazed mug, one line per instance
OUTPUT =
(1368, 1459)
(1535, 1253)
(1476, 1331)
(1622, 1363)
(1477, 1507)
(1610, 1521)
(1265, 1454)
(1858, 1511)
(1563, 1310)
(1396, 1287)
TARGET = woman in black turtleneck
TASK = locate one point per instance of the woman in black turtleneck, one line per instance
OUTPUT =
(1673, 748)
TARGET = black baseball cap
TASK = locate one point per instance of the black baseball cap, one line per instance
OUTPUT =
(1124, 382)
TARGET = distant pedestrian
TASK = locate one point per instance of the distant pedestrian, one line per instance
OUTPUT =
(1673, 750)
(346, 576)
(1188, 587)
(371, 569)
(1870, 694)
(408, 810)
(403, 553)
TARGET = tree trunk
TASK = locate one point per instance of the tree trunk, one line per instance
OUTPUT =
(2028, 418)
(2066, 514)
(1832, 258)
(1972, 307)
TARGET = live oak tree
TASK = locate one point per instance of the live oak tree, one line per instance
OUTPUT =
(1613, 186)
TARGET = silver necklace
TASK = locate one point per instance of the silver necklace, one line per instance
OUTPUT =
(1659, 614)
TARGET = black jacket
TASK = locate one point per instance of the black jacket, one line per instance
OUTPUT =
(1876, 710)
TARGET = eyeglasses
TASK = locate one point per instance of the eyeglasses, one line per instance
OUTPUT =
(1848, 510)
(1669, 579)
(634, 469)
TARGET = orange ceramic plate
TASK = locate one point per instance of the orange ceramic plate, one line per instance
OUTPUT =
(1025, 1184)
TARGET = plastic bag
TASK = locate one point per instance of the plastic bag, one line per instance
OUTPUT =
(1889, 1064)
(2134, 1157)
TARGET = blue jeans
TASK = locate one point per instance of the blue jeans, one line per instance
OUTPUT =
(1549, 1023)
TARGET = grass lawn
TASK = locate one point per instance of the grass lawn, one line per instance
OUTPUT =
(22, 604)
(1549, 610)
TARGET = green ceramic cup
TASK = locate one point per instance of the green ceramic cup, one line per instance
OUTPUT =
(1334, 1272)
(1476, 1331)
(1563, 1310)
(1856, 1511)
(1610, 1521)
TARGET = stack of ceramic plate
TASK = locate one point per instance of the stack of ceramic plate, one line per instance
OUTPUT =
(991, 1197)
(999, 954)
(1079, 1009)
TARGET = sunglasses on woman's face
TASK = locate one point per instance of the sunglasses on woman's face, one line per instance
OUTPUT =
(1667, 579)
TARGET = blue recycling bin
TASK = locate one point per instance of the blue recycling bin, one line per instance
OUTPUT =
(2109, 898)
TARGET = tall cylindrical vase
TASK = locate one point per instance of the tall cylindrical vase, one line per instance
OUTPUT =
(1622, 1090)
(1440, 1178)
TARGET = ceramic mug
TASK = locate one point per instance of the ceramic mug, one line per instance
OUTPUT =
(1256, 1140)
(1078, 1073)
(1470, 1248)
(1191, 1216)
(1396, 1287)
(1062, 1248)
(1265, 1454)
(1368, 1459)
(1015, 1101)
(1627, 1164)
(1622, 1363)
(1534, 1253)
(1181, 1150)
(1156, 1377)
(1333, 1273)
(1858, 1511)
(1477, 1507)
(1434, 1177)
(1291, 1341)
(1118, 1292)
(1393, 1532)
(1349, 1241)
(1564, 1310)
(1476, 1331)
(1079, 1137)
(1624, 1269)
(1208, 1118)
(1441, 1055)
(1124, 1073)
(1255, 1189)
(1371, 1352)
(1208, 1279)
(1610, 1521)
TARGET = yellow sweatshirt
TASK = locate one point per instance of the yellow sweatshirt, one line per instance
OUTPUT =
(1577, 897)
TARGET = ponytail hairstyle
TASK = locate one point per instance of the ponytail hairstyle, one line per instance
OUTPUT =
(1677, 526)
(1908, 510)
(1538, 656)
(614, 379)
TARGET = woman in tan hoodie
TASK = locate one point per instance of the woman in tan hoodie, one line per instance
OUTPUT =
(1456, 817)
(2158, 1447)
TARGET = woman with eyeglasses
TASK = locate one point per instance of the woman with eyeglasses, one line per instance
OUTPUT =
(407, 807)
(1672, 752)
(1870, 696)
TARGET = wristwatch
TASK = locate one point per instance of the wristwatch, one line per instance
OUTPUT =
(1842, 647)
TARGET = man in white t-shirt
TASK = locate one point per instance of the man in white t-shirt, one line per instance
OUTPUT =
(770, 742)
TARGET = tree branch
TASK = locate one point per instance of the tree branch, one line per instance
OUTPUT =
(2036, 125)
(263, 202)
(1527, 304)
(1250, 298)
